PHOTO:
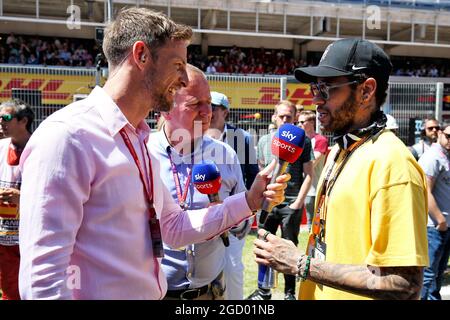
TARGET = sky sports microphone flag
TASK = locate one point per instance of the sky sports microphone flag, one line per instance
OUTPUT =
(207, 180)
(287, 146)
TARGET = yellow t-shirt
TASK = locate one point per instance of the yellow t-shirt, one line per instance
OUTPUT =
(376, 212)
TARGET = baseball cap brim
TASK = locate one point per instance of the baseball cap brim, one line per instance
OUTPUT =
(310, 74)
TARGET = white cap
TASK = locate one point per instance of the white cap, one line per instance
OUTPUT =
(219, 99)
(391, 123)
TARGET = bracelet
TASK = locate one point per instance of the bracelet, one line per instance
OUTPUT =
(303, 276)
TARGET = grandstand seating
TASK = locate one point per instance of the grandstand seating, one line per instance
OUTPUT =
(412, 4)
(39, 50)
(52, 51)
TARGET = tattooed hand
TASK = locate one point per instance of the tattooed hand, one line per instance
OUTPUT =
(280, 254)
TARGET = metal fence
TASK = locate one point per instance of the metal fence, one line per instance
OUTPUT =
(410, 103)
(252, 98)
(46, 89)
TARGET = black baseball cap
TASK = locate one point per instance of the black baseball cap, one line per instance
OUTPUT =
(349, 57)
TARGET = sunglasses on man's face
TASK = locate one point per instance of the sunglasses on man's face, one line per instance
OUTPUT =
(7, 117)
(433, 128)
(322, 89)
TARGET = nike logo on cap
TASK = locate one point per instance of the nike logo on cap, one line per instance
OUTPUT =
(357, 68)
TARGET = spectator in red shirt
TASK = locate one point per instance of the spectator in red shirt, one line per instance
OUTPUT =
(259, 69)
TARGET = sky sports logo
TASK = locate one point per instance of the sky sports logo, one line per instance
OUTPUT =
(206, 185)
(199, 176)
(289, 135)
(280, 144)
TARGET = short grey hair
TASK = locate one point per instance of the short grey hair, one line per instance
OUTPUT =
(140, 24)
(194, 70)
(21, 110)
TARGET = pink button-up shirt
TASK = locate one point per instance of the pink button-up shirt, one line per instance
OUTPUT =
(84, 230)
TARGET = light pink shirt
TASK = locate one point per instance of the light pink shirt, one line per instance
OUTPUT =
(84, 230)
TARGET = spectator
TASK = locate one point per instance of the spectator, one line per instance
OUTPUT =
(434, 72)
(22, 59)
(211, 69)
(428, 135)
(32, 60)
(16, 118)
(242, 143)
(259, 69)
(14, 53)
(65, 55)
(435, 162)
(79, 56)
(11, 39)
(319, 143)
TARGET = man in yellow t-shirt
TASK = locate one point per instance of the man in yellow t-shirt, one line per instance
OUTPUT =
(368, 237)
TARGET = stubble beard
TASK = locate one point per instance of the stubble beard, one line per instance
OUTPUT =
(159, 101)
(341, 120)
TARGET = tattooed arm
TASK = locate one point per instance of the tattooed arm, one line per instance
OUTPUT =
(373, 282)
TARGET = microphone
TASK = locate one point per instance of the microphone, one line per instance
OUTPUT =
(287, 145)
(207, 180)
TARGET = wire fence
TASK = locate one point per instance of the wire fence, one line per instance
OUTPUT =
(409, 104)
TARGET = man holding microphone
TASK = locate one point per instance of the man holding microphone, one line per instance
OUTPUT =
(93, 209)
(288, 214)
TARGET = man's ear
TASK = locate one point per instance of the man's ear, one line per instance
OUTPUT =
(140, 57)
(369, 88)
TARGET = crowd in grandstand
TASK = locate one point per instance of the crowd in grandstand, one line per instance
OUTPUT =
(246, 61)
(33, 50)
(424, 71)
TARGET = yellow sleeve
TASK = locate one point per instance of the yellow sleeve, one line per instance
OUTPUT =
(399, 218)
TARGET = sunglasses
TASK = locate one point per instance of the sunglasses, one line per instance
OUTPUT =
(447, 135)
(322, 90)
(302, 122)
(431, 128)
(7, 117)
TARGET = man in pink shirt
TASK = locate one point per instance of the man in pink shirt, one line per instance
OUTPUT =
(93, 211)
